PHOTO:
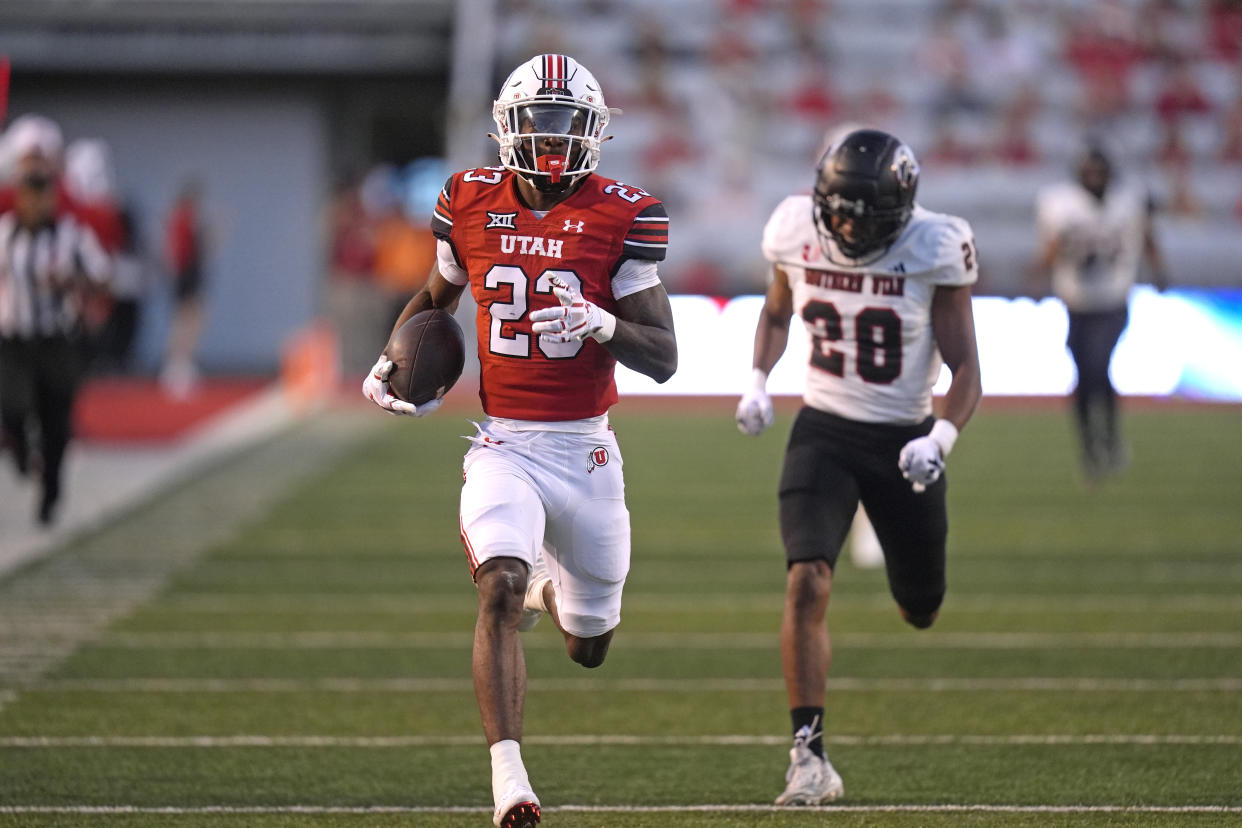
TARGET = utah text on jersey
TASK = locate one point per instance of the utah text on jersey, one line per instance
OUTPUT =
(510, 253)
(873, 355)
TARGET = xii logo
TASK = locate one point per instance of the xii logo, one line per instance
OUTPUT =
(502, 220)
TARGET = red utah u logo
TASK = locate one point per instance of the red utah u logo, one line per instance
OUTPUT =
(599, 457)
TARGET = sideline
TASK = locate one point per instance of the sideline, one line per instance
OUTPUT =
(103, 481)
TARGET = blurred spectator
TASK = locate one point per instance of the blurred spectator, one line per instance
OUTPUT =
(1180, 93)
(946, 147)
(1003, 60)
(1173, 150)
(129, 289)
(1170, 30)
(185, 251)
(90, 183)
(1224, 26)
(1182, 202)
(405, 247)
(1014, 143)
(943, 58)
(354, 303)
(1100, 42)
(49, 263)
(1231, 133)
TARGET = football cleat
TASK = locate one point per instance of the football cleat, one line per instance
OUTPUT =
(518, 808)
(810, 780)
(534, 604)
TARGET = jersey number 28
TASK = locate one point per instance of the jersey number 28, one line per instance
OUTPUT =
(877, 331)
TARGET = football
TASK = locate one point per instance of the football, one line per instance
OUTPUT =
(428, 353)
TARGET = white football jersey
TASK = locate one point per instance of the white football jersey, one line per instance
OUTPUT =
(873, 356)
(1101, 243)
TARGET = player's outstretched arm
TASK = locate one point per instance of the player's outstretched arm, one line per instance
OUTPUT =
(754, 410)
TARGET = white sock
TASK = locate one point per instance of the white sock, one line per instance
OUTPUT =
(507, 767)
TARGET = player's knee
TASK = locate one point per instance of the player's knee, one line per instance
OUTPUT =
(920, 610)
(502, 590)
(589, 652)
(808, 585)
(919, 621)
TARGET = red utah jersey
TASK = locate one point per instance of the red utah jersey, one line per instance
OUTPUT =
(510, 253)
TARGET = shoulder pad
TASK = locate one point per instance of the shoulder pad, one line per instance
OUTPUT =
(942, 246)
(786, 230)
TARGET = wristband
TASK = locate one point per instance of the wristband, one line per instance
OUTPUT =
(607, 326)
(944, 433)
(759, 379)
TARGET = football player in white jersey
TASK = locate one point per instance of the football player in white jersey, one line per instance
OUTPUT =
(883, 289)
(1095, 233)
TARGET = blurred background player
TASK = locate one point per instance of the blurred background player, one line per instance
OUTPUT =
(185, 250)
(50, 264)
(543, 240)
(110, 319)
(1096, 232)
(883, 288)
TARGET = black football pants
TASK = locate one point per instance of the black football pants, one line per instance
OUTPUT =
(39, 380)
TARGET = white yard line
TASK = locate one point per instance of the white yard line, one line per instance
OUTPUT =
(620, 809)
(416, 603)
(641, 685)
(619, 740)
(662, 641)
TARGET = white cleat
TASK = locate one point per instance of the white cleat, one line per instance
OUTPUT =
(534, 604)
(810, 780)
(518, 808)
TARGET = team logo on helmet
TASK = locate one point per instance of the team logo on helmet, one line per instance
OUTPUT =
(905, 168)
(598, 457)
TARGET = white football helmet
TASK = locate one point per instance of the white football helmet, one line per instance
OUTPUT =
(551, 117)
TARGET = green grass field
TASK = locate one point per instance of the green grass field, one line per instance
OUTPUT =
(313, 667)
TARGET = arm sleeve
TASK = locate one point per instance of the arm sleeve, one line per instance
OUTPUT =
(450, 269)
(648, 235)
(957, 261)
(632, 276)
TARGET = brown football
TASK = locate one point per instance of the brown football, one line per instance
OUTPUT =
(428, 353)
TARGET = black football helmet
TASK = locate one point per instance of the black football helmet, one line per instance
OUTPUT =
(864, 192)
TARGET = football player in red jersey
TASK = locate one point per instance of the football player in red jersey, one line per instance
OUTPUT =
(562, 265)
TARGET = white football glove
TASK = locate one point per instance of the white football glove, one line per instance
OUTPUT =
(575, 319)
(922, 459)
(754, 411)
(375, 389)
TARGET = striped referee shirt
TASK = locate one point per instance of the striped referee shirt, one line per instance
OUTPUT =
(40, 271)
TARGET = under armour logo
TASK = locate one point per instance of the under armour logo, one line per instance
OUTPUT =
(502, 220)
(576, 226)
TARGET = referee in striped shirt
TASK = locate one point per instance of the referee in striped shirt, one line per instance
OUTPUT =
(48, 261)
